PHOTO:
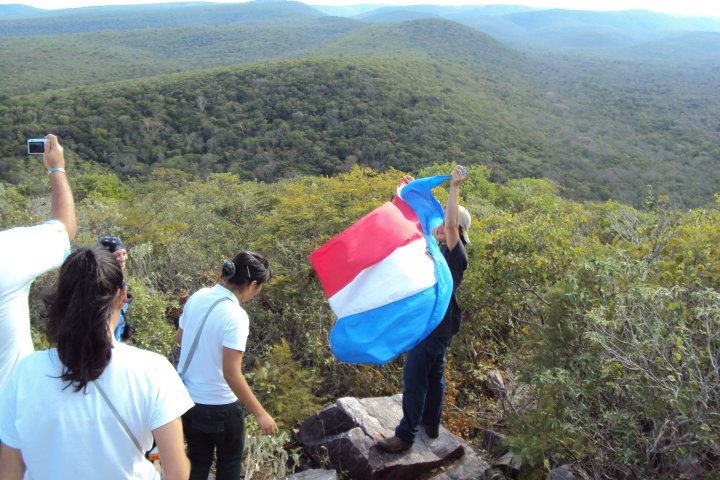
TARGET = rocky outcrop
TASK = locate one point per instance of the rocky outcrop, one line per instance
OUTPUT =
(510, 464)
(341, 435)
(314, 474)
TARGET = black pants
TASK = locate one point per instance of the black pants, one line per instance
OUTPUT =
(215, 430)
(423, 386)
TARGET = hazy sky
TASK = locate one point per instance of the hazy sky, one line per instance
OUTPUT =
(683, 7)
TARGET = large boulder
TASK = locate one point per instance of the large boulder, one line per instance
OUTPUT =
(341, 435)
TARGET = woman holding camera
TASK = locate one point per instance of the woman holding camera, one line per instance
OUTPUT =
(90, 407)
(213, 334)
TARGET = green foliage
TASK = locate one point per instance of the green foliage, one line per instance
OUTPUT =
(522, 249)
(625, 368)
(101, 186)
(692, 252)
(284, 387)
(13, 207)
(400, 96)
(147, 314)
(265, 456)
(604, 310)
(274, 121)
(151, 16)
(111, 55)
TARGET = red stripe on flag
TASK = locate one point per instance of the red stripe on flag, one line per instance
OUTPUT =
(407, 211)
(365, 243)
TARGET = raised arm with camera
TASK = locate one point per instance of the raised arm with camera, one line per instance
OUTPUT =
(31, 251)
(62, 205)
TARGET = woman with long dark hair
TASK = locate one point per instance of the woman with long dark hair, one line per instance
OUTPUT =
(213, 334)
(90, 407)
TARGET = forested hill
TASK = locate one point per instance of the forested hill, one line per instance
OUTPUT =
(94, 57)
(441, 40)
(153, 16)
(273, 121)
(697, 46)
(437, 96)
(423, 91)
(14, 10)
(574, 30)
(444, 91)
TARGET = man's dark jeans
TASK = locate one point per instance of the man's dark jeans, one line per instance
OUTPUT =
(215, 430)
(423, 387)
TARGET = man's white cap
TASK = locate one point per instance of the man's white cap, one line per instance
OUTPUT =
(464, 218)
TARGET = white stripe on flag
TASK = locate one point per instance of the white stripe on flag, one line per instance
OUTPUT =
(406, 271)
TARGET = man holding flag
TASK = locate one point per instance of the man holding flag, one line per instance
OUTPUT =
(423, 376)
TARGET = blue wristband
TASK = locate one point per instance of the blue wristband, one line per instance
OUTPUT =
(56, 169)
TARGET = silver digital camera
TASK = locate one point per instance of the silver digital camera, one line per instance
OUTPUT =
(36, 146)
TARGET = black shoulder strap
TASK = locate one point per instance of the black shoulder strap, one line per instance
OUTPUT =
(194, 345)
(117, 415)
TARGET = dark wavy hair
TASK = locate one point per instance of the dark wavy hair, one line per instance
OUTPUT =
(78, 311)
(247, 267)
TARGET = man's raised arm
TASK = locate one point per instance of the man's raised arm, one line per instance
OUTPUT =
(452, 214)
(62, 205)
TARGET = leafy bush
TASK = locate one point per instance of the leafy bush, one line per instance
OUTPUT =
(147, 314)
(284, 387)
(609, 314)
(265, 456)
(626, 369)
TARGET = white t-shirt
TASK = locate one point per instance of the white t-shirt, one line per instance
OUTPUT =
(66, 434)
(227, 326)
(25, 254)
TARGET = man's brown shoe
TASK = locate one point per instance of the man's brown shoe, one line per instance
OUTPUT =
(393, 445)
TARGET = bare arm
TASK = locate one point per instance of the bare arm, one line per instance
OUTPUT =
(178, 336)
(452, 215)
(171, 447)
(232, 371)
(62, 205)
(12, 466)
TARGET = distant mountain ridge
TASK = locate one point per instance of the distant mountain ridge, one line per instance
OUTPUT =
(129, 17)
(96, 57)
(701, 46)
(517, 25)
(521, 26)
(272, 120)
(396, 16)
(17, 10)
(448, 11)
(439, 39)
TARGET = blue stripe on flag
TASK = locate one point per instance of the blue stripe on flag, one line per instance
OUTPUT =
(418, 194)
(379, 335)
